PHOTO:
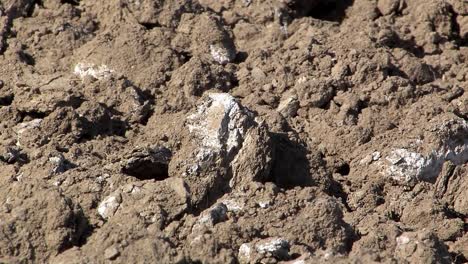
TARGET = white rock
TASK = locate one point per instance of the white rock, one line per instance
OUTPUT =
(233, 206)
(253, 252)
(264, 204)
(376, 156)
(224, 142)
(19, 176)
(276, 246)
(402, 240)
(84, 70)
(245, 252)
(55, 160)
(213, 215)
(406, 165)
(221, 54)
(109, 205)
(59, 164)
(220, 123)
(215, 119)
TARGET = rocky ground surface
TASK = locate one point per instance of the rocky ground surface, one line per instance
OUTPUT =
(234, 131)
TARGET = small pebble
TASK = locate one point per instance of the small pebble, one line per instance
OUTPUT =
(111, 253)
(221, 54)
(109, 205)
(376, 156)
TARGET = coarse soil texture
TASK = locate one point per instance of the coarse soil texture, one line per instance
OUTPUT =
(234, 131)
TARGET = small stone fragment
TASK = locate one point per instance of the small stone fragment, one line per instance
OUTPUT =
(84, 70)
(109, 206)
(111, 252)
(27, 132)
(450, 145)
(264, 204)
(221, 54)
(276, 247)
(220, 123)
(233, 206)
(258, 74)
(214, 215)
(402, 240)
(376, 156)
(289, 106)
(245, 252)
(405, 165)
(224, 147)
(60, 163)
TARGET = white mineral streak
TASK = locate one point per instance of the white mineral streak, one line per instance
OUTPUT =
(220, 124)
(109, 206)
(88, 69)
(406, 165)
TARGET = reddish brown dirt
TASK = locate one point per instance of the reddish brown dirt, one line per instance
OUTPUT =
(233, 131)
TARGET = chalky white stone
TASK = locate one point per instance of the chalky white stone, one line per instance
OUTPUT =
(220, 123)
(406, 165)
(84, 70)
(221, 54)
(109, 206)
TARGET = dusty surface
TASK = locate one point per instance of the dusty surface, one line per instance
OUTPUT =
(234, 131)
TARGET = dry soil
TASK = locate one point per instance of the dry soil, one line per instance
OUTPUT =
(234, 131)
